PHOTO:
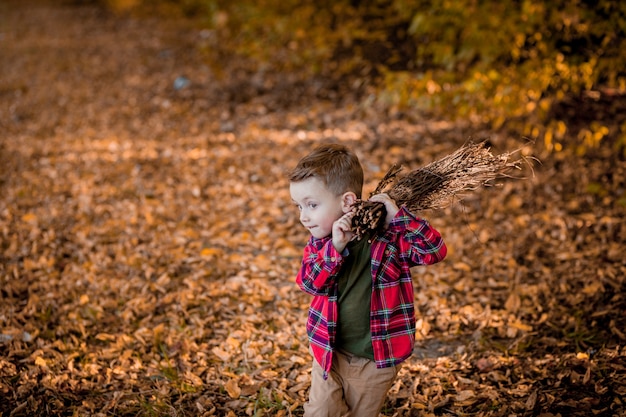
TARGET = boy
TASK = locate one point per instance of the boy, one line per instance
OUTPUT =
(361, 321)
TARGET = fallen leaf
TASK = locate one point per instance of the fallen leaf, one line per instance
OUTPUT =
(232, 388)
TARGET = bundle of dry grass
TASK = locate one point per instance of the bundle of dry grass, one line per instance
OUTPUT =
(435, 185)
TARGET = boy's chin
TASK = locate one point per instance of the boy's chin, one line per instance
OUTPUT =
(318, 234)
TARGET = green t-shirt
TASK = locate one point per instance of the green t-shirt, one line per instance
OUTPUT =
(355, 294)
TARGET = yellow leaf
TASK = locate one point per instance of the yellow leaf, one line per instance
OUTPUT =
(594, 287)
(39, 361)
(232, 388)
(29, 218)
(232, 342)
(29, 264)
(520, 326)
(462, 266)
(223, 355)
(269, 374)
(465, 395)
(263, 262)
(149, 218)
(211, 252)
(84, 299)
(194, 379)
(531, 401)
(423, 328)
(286, 248)
(297, 359)
(158, 331)
(513, 303)
(237, 258)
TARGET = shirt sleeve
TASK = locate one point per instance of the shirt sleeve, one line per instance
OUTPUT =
(423, 242)
(320, 264)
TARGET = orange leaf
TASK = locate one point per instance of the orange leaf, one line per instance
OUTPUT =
(232, 388)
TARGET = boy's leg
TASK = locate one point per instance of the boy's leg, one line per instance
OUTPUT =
(325, 396)
(365, 386)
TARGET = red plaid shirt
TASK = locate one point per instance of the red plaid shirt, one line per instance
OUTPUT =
(407, 242)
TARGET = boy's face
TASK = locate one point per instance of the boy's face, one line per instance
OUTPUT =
(319, 207)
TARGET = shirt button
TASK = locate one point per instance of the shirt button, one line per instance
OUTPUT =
(333, 259)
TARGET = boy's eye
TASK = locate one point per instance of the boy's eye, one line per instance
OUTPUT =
(312, 205)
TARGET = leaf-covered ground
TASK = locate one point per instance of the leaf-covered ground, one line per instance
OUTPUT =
(148, 245)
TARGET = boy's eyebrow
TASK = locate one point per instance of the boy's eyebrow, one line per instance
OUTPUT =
(306, 198)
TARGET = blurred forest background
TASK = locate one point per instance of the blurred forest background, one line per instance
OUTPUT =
(148, 244)
(552, 71)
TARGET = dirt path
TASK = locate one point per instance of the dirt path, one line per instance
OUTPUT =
(78, 71)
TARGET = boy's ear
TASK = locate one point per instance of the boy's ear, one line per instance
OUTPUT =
(347, 200)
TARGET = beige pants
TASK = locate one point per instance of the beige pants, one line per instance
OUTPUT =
(354, 388)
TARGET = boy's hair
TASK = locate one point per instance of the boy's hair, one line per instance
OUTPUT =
(335, 165)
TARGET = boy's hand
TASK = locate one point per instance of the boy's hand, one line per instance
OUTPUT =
(390, 206)
(342, 231)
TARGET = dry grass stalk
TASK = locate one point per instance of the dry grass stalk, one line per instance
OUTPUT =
(435, 185)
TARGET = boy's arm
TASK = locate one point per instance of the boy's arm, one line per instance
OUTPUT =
(320, 264)
(423, 242)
